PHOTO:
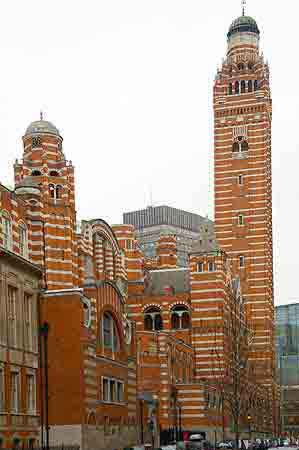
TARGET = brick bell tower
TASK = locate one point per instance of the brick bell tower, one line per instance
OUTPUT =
(46, 181)
(243, 181)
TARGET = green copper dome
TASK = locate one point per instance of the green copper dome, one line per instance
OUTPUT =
(244, 24)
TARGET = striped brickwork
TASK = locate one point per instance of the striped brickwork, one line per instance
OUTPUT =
(209, 279)
(243, 187)
(167, 252)
(51, 210)
(85, 279)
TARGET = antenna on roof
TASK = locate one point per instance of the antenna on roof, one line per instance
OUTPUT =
(151, 195)
(41, 115)
(243, 7)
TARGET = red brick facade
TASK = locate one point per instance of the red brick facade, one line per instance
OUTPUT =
(131, 341)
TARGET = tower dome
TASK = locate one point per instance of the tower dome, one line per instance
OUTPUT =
(42, 127)
(243, 24)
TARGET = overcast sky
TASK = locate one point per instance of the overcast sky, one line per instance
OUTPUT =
(129, 85)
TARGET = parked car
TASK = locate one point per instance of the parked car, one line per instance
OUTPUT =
(196, 442)
(225, 444)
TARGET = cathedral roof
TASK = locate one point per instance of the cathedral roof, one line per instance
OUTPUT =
(42, 127)
(243, 24)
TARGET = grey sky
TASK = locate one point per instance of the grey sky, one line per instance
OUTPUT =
(129, 85)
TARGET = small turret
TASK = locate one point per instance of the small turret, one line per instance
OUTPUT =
(167, 252)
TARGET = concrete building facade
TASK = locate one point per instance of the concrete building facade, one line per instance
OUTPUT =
(156, 221)
(287, 353)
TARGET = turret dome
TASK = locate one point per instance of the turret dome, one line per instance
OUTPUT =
(244, 24)
(42, 127)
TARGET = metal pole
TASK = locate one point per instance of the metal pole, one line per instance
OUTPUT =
(141, 422)
(45, 332)
(180, 423)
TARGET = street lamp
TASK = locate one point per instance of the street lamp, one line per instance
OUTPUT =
(249, 418)
(44, 331)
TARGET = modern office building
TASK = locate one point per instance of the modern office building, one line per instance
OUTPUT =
(287, 352)
(156, 221)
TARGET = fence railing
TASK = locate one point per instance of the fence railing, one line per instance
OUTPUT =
(56, 447)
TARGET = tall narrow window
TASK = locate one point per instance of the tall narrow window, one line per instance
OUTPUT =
(236, 147)
(230, 89)
(120, 392)
(106, 396)
(31, 397)
(256, 85)
(12, 315)
(110, 333)
(243, 86)
(200, 267)
(211, 267)
(2, 390)
(244, 146)
(28, 325)
(241, 219)
(15, 391)
(240, 180)
(237, 87)
(241, 261)
(23, 244)
(6, 232)
(250, 87)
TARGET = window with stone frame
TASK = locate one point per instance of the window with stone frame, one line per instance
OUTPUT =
(23, 240)
(12, 316)
(29, 322)
(113, 390)
(31, 393)
(15, 392)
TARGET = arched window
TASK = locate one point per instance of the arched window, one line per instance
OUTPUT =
(240, 145)
(153, 319)
(58, 191)
(256, 85)
(230, 89)
(6, 231)
(250, 86)
(54, 173)
(243, 86)
(241, 66)
(110, 333)
(180, 317)
(23, 241)
(237, 87)
(250, 65)
(36, 173)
